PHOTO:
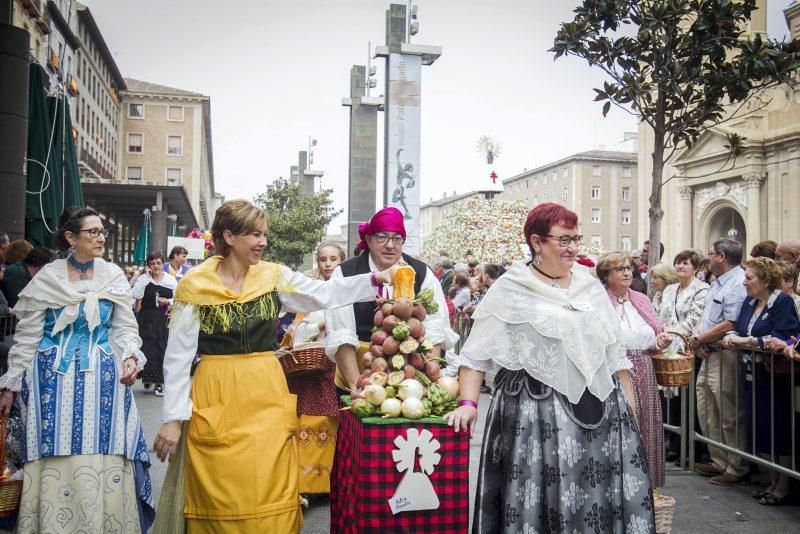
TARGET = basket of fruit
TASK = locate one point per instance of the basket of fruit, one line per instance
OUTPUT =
(402, 379)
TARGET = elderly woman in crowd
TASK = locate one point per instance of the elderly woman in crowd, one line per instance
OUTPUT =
(682, 306)
(86, 459)
(461, 291)
(153, 292)
(789, 274)
(766, 314)
(641, 334)
(560, 449)
(661, 275)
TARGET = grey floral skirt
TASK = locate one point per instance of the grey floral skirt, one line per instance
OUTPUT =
(551, 466)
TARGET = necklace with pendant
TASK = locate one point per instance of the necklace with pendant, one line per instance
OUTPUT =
(82, 268)
(621, 300)
(553, 279)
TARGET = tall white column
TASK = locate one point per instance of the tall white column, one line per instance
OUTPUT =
(753, 183)
(686, 217)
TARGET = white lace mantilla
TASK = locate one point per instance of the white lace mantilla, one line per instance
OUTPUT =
(570, 340)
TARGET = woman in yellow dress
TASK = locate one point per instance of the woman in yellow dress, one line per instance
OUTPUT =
(241, 457)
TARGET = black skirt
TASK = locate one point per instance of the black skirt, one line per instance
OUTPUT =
(153, 330)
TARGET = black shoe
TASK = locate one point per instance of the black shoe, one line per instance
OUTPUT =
(158, 391)
(672, 456)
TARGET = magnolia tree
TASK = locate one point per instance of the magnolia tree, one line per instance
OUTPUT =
(681, 66)
(484, 230)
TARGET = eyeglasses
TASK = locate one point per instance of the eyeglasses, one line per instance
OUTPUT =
(623, 269)
(382, 239)
(565, 240)
(94, 233)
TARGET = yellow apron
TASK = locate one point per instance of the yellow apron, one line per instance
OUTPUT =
(240, 448)
(340, 381)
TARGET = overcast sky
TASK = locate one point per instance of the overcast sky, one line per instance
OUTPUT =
(276, 72)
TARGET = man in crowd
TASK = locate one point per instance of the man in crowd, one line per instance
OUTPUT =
(19, 274)
(350, 327)
(646, 256)
(789, 251)
(448, 274)
(719, 398)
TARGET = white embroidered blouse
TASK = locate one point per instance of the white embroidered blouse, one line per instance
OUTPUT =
(569, 339)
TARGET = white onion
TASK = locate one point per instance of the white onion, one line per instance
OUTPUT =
(391, 408)
(374, 394)
(410, 387)
(413, 408)
(450, 384)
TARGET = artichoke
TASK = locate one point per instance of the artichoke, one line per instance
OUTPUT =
(391, 392)
(427, 407)
(442, 401)
(361, 408)
(401, 331)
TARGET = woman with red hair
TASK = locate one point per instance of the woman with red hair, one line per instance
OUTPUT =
(560, 450)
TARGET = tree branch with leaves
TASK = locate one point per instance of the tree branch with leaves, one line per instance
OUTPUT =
(681, 66)
(297, 221)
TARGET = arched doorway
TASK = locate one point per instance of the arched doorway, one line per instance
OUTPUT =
(726, 222)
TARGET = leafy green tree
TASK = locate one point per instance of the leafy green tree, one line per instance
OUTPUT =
(297, 221)
(681, 66)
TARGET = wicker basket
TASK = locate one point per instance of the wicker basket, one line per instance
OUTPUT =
(664, 508)
(307, 359)
(676, 371)
(10, 490)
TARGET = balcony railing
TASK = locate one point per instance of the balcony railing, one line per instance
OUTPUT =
(87, 161)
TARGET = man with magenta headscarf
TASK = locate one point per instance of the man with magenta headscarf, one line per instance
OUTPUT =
(350, 328)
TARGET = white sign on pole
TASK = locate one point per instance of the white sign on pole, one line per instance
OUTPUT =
(401, 187)
(196, 247)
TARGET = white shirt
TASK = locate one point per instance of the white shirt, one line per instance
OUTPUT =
(636, 333)
(307, 294)
(340, 323)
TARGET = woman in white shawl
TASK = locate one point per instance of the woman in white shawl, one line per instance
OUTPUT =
(560, 450)
(76, 354)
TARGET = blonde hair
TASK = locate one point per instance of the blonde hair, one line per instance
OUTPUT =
(767, 270)
(239, 217)
(609, 262)
(664, 271)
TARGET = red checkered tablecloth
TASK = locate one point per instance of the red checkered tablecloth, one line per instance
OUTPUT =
(364, 478)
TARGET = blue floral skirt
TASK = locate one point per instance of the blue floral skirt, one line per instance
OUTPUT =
(550, 466)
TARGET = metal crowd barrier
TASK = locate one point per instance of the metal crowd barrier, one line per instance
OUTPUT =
(462, 327)
(743, 446)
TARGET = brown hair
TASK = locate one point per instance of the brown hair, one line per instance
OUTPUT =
(789, 273)
(71, 220)
(155, 255)
(17, 250)
(688, 254)
(608, 262)
(767, 270)
(461, 279)
(764, 249)
(239, 217)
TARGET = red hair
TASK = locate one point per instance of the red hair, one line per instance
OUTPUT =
(543, 217)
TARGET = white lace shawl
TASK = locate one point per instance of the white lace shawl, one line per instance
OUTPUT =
(571, 340)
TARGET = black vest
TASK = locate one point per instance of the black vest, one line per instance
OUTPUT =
(365, 311)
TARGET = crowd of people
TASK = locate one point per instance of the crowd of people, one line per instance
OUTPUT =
(574, 434)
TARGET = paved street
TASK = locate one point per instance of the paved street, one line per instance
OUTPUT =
(701, 507)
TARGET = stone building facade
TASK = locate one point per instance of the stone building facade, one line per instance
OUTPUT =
(707, 196)
(96, 109)
(601, 186)
(30, 15)
(165, 139)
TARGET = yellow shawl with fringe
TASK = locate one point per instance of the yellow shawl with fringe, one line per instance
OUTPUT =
(217, 306)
